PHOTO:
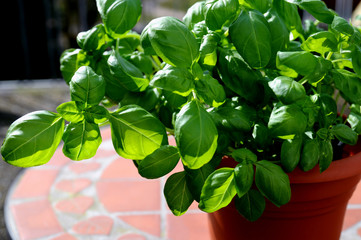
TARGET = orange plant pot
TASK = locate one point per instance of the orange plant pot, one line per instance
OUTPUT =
(315, 212)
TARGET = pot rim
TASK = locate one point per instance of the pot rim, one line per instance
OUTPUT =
(346, 167)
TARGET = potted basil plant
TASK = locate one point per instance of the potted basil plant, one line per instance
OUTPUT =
(250, 95)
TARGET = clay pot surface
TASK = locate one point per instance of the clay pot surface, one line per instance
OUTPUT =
(315, 212)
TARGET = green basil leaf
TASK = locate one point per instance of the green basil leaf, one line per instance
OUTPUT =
(287, 120)
(147, 99)
(195, 134)
(208, 50)
(128, 43)
(293, 63)
(251, 205)
(175, 101)
(349, 85)
(195, 14)
(199, 30)
(172, 41)
(136, 133)
(177, 194)
(96, 114)
(70, 112)
(251, 31)
(320, 42)
(119, 16)
(279, 33)
(239, 77)
(81, 140)
(243, 174)
(356, 60)
(326, 154)
(342, 26)
(174, 79)
(220, 13)
(129, 76)
(92, 39)
(310, 154)
(86, 86)
(218, 190)
(32, 139)
(289, 13)
(345, 134)
(196, 179)
(328, 109)
(244, 155)
(317, 9)
(142, 61)
(161, 162)
(260, 5)
(287, 90)
(319, 72)
(291, 153)
(261, 135)
(68, 63)
(354, 118)
(234, 119)
(273, 182)
(210, 91)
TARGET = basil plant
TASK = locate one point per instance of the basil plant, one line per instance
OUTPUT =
(238, 78)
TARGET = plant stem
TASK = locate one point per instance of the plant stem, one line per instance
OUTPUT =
(194, 94)
(343, 108)
(170, 131)
(156, 60)
(329, 55)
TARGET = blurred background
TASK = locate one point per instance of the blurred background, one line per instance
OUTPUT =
(33, 36)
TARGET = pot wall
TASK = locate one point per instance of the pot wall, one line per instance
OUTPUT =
(315, 212)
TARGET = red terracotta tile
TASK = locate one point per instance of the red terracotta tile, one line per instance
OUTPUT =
(83, 167)
(188, 226)
(35, 183)
(121, 196)
(194, 206)
(121, 168)
(104, 153)
(359, 232)
(73, 185)
(35, 219)
(106, 133)
(58, 159)
(356, 197)
(64, 236)
(146, 223)
(171, 140)
(352, 217)
(77, 205)
(132, 236)
(100, 225)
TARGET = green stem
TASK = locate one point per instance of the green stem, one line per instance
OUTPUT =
(329, 55)
(194, 94)
(170, 131)
(343, 108)
(157, 61)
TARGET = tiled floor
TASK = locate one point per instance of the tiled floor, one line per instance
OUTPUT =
(105, 198)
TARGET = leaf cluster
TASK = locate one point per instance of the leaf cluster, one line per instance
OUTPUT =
(236, 78)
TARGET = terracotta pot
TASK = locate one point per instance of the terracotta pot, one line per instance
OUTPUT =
(316, 210)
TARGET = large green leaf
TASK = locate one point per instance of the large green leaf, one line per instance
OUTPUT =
(287, 90)
(251, 31)
(273, 182)
(287, 120)
(172, 41)
(70, 111)
(196, 135)
(177, 194)
(147, 99)
(289, 13)
(210, 91)
(174, 79)
(356, 60)
(345, 134)
(220, 13)
(317, 9)
(136, 133)
(320, 42)
(32, 139)
(127, 75)
(349, 84)
(243, 174)
(196, 179)
(81, 140)
(354, 118)
(251, 205)
(342, 26)
(291, 153)
(326, 154)
(232, 119)
(93, 39)
(194, 14)
(310, 154)
(218, 191)
(161, 162)
(86, 86)
(68, 63)
(119, 16)
(293, 63)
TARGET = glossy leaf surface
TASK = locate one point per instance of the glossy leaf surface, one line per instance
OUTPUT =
(251, 205)
(32, 139)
